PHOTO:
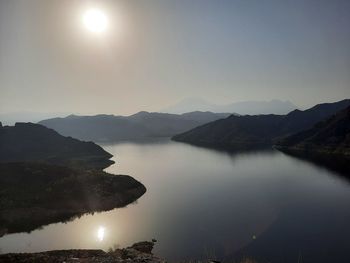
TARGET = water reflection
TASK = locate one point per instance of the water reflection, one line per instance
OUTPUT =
(101, 233)
(204, 202)
(334, 164)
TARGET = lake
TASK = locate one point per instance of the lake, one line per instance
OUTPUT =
(203, 203)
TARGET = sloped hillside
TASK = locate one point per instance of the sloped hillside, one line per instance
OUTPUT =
(34, 142)
(238, 132)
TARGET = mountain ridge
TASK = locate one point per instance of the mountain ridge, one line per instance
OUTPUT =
(330, 136)
(243, 107)
(258, 130)
(141, 125)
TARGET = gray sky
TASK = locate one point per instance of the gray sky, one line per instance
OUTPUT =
(157, 52)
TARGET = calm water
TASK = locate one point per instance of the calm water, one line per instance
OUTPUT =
(206, 203)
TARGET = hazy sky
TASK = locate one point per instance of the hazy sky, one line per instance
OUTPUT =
(157, 52)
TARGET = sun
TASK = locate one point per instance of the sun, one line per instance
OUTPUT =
(95, 20)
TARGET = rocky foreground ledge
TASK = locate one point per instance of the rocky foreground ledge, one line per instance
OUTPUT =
(139, 253)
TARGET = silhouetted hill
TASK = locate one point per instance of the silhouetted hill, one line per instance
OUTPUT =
(46, 178)
(141, 125)
(36, 194)
(298, 120)
(258, 130)
(331, 136)
(242, 108)
(34, 142)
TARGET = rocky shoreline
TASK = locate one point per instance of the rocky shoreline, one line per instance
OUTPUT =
(140, 252)
(36, 194)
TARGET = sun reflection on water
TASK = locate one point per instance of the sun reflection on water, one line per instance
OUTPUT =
(101, 233)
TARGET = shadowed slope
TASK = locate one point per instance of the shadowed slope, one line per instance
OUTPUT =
(34, 142)
(258, 130)
(331, 136)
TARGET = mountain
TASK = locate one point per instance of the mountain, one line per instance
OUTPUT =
(239, 132)
(331, 136)
(142, 125)
(189, 105)
(242, 108)
(28, 142)
(47, 178)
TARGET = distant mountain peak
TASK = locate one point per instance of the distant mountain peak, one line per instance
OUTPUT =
(252, 107)
(141, 113)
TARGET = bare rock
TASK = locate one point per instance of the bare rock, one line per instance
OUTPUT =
(144, 247)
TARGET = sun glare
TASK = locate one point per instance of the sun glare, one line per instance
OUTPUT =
(95, 20)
